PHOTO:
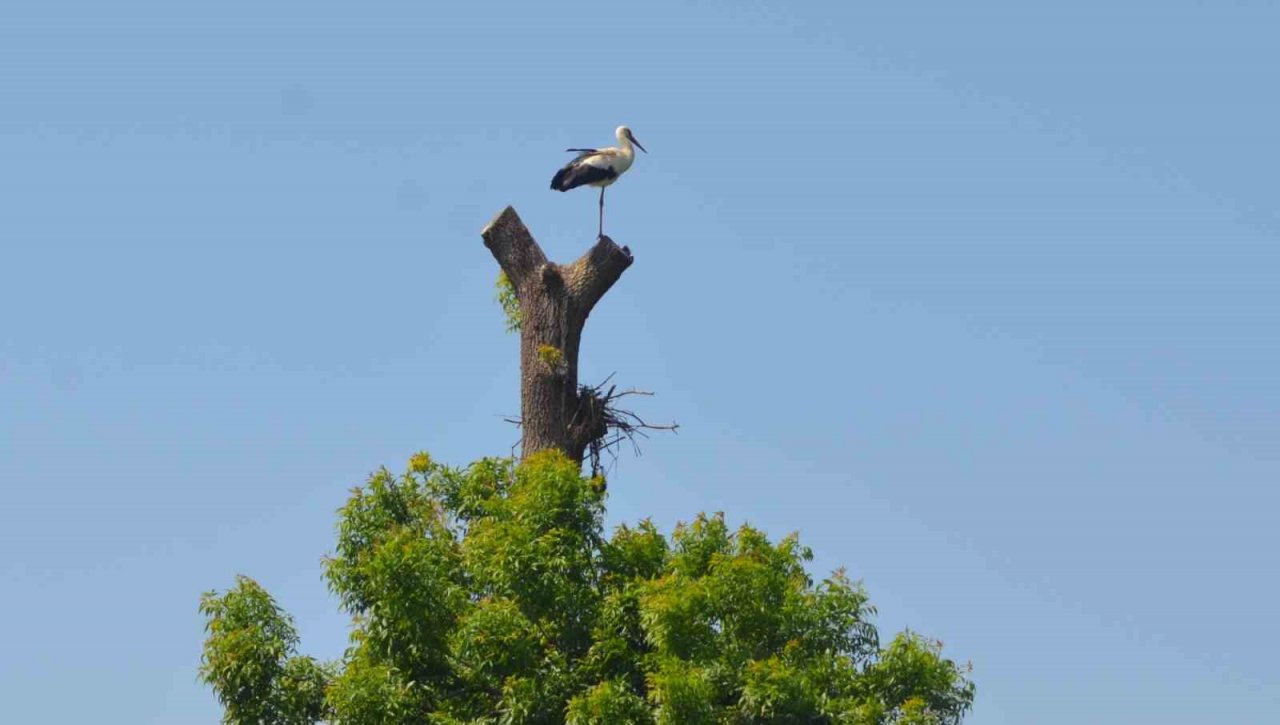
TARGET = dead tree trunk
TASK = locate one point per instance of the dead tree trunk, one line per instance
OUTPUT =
(555, 300)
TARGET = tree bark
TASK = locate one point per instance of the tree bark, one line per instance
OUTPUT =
(554, 303)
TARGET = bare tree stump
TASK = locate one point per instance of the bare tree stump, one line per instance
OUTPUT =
(555, 300)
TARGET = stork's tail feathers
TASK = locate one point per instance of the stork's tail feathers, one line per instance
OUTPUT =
(576, 174)
(558, 182)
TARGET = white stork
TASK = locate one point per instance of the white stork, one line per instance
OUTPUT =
(598, 167)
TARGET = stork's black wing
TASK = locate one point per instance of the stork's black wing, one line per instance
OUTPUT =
(577, 173)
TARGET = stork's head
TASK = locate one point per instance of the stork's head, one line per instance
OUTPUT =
(625, 135)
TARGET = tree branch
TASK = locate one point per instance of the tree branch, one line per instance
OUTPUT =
(514, 247)
(595, 272)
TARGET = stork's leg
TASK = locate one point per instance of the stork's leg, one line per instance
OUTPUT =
(602, 211)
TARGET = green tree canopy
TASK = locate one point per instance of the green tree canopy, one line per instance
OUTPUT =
(492, 594)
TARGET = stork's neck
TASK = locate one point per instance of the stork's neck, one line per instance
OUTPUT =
(624, 143)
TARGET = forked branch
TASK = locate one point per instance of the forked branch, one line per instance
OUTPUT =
(555, 411)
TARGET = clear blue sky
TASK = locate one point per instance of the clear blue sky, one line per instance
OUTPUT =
(980, 297)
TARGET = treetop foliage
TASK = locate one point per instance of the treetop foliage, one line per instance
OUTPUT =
(492, 594)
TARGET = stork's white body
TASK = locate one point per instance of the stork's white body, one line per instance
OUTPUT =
(598, 167)
(613, 161)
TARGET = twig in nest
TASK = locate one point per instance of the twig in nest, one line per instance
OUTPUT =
(611, 424)
(517, 422)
